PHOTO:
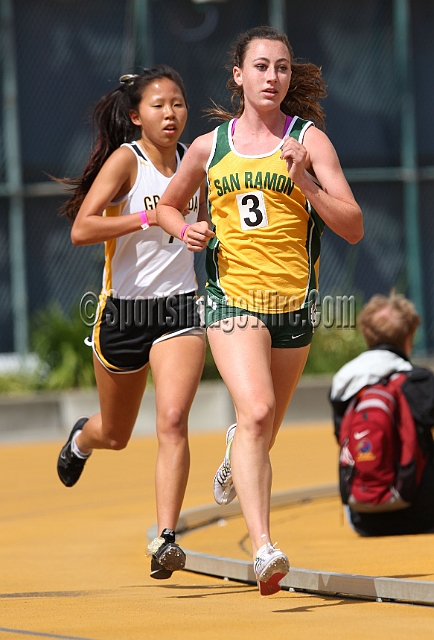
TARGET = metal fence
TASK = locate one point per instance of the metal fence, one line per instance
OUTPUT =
(60, 56)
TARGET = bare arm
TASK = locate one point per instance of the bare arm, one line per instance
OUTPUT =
(334, 200)
(182, 187)
(203, 215)
(114, 180)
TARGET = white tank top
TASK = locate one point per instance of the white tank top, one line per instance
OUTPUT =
(150, 263)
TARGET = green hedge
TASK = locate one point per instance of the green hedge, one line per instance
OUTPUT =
(66, 362)
(333, 347)
(58, 341)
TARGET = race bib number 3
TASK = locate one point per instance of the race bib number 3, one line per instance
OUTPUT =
(251, 207)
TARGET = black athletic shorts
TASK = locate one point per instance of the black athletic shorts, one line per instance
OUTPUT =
(126, 329)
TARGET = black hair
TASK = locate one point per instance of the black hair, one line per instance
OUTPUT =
(111, 119)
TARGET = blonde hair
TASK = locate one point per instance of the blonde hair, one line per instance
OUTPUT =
(388, 320)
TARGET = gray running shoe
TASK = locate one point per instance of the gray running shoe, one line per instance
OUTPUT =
(224, 490)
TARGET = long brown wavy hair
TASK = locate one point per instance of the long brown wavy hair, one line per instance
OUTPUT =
(307, 86)
(112, 122)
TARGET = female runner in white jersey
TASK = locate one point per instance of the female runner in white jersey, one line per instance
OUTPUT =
(274, 181)
(147, 313)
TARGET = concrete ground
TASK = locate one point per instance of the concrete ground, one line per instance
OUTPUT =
(73, 561)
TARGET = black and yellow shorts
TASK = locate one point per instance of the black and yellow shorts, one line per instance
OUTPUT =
(126, 329)
(288, 330)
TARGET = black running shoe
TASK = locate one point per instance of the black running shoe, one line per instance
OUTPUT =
(158, 572)
(167, 556)
(70, 466)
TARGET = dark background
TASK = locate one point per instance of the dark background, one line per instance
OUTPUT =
(71, 52)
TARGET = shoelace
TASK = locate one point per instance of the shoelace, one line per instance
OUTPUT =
(223, 473)
(270, 547)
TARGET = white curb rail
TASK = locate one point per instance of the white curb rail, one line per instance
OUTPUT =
(312, 581)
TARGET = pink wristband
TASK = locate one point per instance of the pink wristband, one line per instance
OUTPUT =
(183, 230)
(144, 220)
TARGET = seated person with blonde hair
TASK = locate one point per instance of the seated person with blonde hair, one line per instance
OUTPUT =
(388, 325)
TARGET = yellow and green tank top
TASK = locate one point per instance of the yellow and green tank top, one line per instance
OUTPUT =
(265, 254)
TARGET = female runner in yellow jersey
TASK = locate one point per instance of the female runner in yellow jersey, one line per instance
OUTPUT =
(274, 180)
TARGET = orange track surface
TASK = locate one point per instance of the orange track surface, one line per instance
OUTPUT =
(73, 566)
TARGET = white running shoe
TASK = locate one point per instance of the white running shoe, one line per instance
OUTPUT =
(271, 566)
(224, 490)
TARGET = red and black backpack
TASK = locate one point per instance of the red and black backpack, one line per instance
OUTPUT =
(381, 459)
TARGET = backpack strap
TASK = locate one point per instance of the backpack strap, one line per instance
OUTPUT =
(386, 401)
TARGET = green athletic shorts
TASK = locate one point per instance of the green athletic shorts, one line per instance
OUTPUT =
(288, 330)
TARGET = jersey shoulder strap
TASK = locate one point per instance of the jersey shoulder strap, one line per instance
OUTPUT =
(221, 146)
(181, 150)
(298, 128)
(135, 147)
